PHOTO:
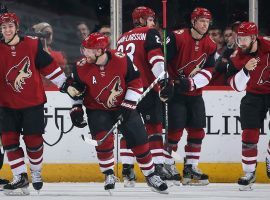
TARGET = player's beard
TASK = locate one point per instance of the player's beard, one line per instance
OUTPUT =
(248, 49)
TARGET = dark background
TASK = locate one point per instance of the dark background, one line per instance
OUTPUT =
(64, 14)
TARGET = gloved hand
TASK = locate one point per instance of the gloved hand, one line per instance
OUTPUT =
(182, 84)
(127, 107)
(75, 90)
(76, 115)
(166, 90)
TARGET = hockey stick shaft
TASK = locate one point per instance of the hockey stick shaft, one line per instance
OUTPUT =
(164, 27)
(99, 142)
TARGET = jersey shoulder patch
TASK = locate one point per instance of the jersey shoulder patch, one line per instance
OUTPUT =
(179, 31)
(31, 37)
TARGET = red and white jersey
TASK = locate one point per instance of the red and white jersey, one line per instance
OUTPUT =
(188, 57)
(144, 48)
(20, 69)
(107, 86)
(255, 81)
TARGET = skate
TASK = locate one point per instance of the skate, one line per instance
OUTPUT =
(246, 181)
(36, 180)
(156, 184)
(193, 176)
(267, 162)
(128, 175)
(2, 183)
(110, 180)
(18, 187)
(162, 172)
(175, 175)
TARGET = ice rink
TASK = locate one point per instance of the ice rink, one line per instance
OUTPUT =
(95, 191)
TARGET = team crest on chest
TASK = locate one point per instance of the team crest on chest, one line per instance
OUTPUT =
(194, 66)
(265, 74)
(17, 74)
(108, 95)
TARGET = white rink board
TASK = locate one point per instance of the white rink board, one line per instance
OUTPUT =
(216, 147)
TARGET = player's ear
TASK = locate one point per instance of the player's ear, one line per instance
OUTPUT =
(142, 21)
(192, 22)
(253, 38)
(99, 52)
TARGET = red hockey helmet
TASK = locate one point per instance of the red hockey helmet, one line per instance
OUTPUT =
(247, 29)
(142, 12)
(9, 17)
(201, 12)
(96, 41)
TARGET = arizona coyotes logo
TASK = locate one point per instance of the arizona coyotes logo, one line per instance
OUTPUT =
(195, 65)
(17, 74)
(265, 75)
(107, 96)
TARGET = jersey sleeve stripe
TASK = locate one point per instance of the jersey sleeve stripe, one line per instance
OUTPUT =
(156, 58)
(133, 95)
(57, 70)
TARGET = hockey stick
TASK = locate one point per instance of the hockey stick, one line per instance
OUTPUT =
(99, 142)
(164, 27)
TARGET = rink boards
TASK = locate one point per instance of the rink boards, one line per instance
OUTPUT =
(70, 159)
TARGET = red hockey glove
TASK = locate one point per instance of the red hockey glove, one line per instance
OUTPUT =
(76, 115)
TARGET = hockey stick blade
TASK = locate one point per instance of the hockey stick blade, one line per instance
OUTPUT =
(90, 141)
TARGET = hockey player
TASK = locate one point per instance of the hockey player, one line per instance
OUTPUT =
(22, 60)
(143, 46)
(249, 72)
(190, 52)
(113, 86)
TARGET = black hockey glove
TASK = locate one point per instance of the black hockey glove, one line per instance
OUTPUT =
(183, 84)
(75, 90)
(166, 90)
(127, 107)
(76, 115)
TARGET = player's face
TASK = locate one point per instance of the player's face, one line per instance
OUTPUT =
(244, 42)
(201, 25)
(8, 30)
(90, 54)
(150, 22)
(227, 35)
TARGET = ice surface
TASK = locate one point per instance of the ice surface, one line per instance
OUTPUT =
(95, 191)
